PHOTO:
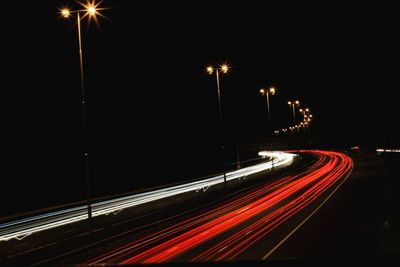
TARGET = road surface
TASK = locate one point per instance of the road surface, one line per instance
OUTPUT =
(250, 226)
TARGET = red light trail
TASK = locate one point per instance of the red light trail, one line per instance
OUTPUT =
(237, 224)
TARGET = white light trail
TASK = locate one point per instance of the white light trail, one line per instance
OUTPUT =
(381, 150)
(22, 228)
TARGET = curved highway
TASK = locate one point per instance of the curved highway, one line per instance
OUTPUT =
(249, 226)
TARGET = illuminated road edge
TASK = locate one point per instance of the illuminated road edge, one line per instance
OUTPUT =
(22, 228)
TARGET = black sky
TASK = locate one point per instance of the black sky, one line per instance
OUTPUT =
(147, 89)
(340, 59)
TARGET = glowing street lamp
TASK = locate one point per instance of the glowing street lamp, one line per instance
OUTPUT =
(298, 128)
(306, 124)
(308, 118)
(266, 93)
(292, 104)
(305, 111)
(303, 125)
(65, 12)
(90, 10)
(224, 68)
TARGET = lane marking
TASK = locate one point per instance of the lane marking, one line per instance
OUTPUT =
(222, 249)
(308, 217)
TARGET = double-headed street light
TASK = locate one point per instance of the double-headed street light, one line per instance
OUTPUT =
(266, 93)
(224, 68)
(293, 104)
(298, 128)
(90, 10)
(303, 125)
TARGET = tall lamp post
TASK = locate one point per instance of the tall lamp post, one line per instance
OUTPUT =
(307, 120)
(302, 125)
(293, 104)
(211, 70)
(266, 93)
(298, 129)
(89, 10)
(291, 129)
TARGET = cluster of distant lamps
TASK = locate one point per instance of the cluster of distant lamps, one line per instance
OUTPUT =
(90, 10)
(293, 105)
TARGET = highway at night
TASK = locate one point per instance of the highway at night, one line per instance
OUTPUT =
(211, 133)
(21, 228)
(235, 229)
(317, 209)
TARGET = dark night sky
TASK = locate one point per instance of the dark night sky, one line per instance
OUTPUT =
(147, 89)
(339, 59)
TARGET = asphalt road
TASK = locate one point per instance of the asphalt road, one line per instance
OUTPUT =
(50, 245)
(247, 226)
(350, 220)
(359, 224)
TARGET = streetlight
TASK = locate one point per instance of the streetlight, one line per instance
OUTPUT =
(298, 128)
(303, 125)
(306, 125)
(305, 111)
(308, 120)
(293, 103)
(266, 92)
(224, 68)
(308, 117)
(90, 10)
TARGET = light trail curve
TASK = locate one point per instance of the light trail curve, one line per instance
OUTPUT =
(21, 228)
(248, 219)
